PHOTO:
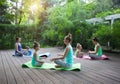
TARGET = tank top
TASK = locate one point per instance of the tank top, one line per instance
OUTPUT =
(33, 62)
(99, 52)
(76, 52)
(19, 47)
(69, 55)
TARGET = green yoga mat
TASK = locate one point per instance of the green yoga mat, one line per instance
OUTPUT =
(51, 66)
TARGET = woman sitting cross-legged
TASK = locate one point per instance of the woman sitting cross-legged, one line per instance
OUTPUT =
(65, 60)
(19, 51)
(97, 53)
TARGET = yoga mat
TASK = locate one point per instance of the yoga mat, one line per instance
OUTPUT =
(47, 54)
(103, 57)
(75, 67)
(51, 66)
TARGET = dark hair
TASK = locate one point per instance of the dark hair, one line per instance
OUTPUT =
(36, 44)
(69, 37)
(17, 38)
(95, 39)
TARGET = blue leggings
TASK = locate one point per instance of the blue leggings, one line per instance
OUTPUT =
(62, 64)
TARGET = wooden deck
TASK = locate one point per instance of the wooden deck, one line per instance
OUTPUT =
(93, 71)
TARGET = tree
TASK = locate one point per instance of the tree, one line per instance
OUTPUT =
(5, 16)
(116, 3)
(98, 6)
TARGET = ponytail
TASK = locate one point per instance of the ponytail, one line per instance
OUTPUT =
(69, 37)
(36, 44)
(95, 39)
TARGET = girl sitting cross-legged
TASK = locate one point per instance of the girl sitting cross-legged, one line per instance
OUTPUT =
(36, 60)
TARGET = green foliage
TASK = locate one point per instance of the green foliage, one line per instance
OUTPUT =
(109, 12)
(116, 35)
(54, 22)
(97, 6)
(106, 34)
(8, 34)
(64, 20)
(50, 36)
(5, 16)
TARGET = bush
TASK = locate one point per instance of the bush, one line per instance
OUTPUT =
(116, 35)
(8, 34)
(109, 34)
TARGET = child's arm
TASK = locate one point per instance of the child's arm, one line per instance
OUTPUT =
(35, 55)
(78, 53)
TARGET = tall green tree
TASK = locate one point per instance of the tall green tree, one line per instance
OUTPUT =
(98, 6)
(5, 16)
(116, 3)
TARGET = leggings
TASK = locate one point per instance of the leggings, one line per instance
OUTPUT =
(38, 64)
(18, 53)
(21, 53)
(94, 56)
(62, 64)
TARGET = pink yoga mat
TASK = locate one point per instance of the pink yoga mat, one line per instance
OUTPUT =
(103, 57)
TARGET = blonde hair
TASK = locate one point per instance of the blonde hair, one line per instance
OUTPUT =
(79, 46)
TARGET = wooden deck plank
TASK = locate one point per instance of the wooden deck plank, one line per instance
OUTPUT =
(17, 63)
(102, 73)
(46, 75)
(72, 78)
(14, 69)
(3, 79)
(56, 75)
(85, 78)
(97, 77)
(33, 76)
(38, 74)
(93, 71)
(9, 74)
(51, 77)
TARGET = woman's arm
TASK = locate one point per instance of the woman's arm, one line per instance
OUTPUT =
(95, 51)
(66, 51)
(61, 57)
(16, 48)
